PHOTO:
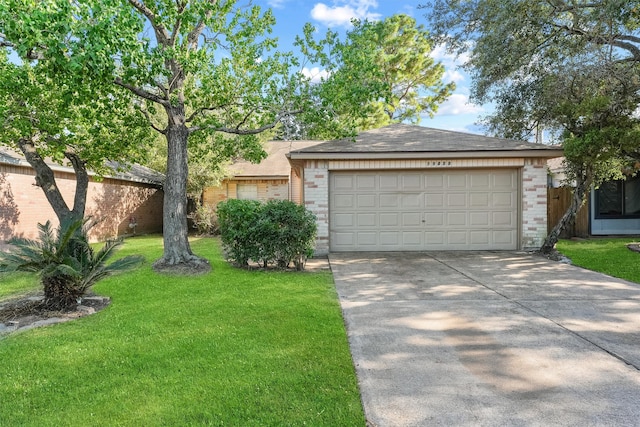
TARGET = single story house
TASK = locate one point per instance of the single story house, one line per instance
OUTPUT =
(123, 203)
(411, 188)
(271, 179)
(613, 208)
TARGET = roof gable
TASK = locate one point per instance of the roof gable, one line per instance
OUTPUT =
(275, 164)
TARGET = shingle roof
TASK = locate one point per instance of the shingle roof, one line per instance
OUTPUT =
(402, 138)
(275, 164)
(133, 173)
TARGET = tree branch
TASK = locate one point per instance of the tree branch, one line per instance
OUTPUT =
(150, 121)
(237, 131)
(142, 93)
(161, 32)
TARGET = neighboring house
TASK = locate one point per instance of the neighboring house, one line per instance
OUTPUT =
(411, 188)
(271, 179)
(115, 203)
(613, 208)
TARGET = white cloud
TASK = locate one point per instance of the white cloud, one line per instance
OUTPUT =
(458, 104)
(276, 3)
(453, 76)
(315, 74)
(343, 11)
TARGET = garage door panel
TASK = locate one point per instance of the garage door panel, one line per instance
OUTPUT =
(433, 200)
(479, 237)
(504, 219)
(366, 201)
(479, 219)
(434, 238)
(434, 181)
(479, 200)
(389, 238)
(456, 219)
(412, 220)
(479, 181)
(503, 200)
(423, 210)
(434, 219)
(367, 238)
(456, 181)
(411, 182)
(411, 200)
(366, 182)
(390, 219)
(504, 237)
(456, 238)
(412, 239)
(343, 239)
(504, 179)
(456, 200)
(366, 220)
(343, 182)
(344, 220)
(389, 182)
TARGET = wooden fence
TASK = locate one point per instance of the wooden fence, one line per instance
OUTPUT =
(558, 201)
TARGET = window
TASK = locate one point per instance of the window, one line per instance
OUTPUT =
(619, 199)
(247, 191)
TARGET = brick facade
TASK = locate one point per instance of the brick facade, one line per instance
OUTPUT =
(268, 189)
(112, 203)
(534, 203)
(316, 200)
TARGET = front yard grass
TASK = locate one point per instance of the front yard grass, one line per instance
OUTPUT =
(228, 348)
(609, 256)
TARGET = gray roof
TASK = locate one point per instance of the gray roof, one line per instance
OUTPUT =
(411, 140)
(122, 171)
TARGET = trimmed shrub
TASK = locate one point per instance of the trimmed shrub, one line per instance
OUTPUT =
(237, 220)
(278, 232)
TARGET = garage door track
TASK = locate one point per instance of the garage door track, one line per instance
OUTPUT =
(489, 338)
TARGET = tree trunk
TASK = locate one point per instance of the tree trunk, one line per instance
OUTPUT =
(177, 255)
(578, 199)
(46, 180)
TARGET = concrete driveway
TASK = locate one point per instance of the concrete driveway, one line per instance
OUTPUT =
(490, 339)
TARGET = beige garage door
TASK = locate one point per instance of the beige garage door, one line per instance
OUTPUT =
(423, 210)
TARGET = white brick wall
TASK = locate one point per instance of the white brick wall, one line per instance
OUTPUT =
(316, 196)
(534, 204)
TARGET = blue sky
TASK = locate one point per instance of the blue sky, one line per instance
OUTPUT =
(455, 114)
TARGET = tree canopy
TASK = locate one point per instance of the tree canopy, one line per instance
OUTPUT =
(45, 116)
(381, 73)
(569, 67)
(207, 65)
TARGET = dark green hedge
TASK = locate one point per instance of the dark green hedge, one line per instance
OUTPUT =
(278, 232)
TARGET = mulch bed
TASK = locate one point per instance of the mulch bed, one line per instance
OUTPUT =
(29, 310)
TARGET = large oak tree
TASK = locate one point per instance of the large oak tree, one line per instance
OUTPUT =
(206, 64)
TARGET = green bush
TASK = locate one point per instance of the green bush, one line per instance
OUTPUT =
(204, 219)
(278, 232)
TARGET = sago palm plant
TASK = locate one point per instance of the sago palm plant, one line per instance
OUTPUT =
(67, 264)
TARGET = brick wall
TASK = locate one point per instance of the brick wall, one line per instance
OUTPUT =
(111, 203)
(316, 200)
(534, 203)
(274, 189)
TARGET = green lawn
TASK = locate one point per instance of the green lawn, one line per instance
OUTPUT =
(609, 256)
(229, 348)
